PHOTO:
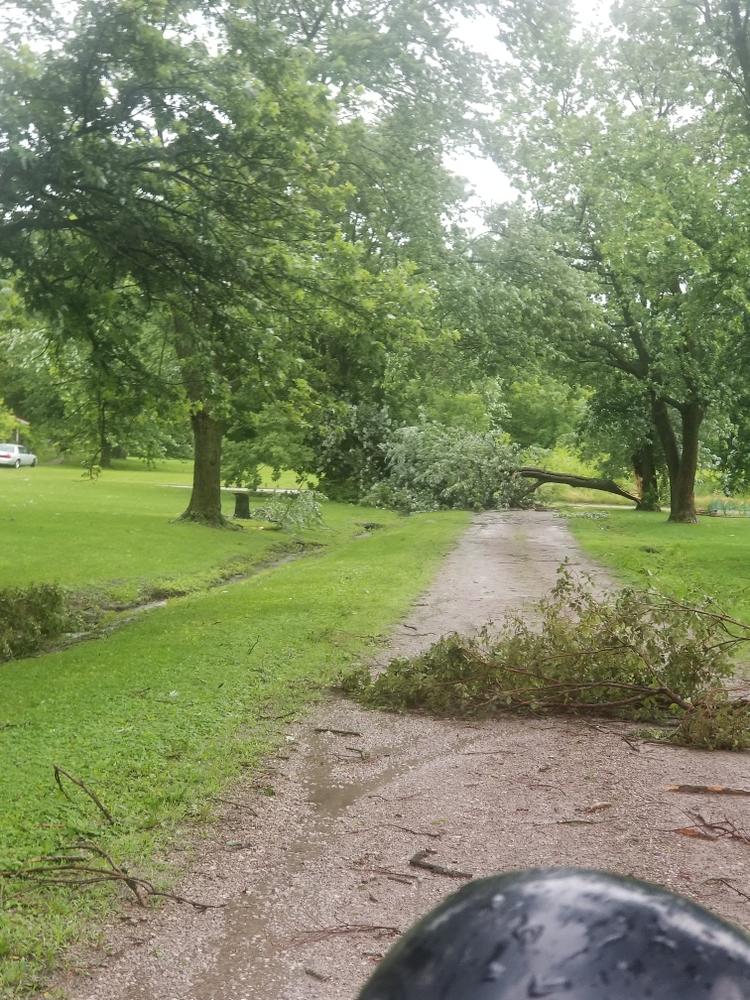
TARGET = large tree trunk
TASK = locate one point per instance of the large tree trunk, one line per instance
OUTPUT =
(646, 477)
(682, 506)
(682, 462)
(205, 500)
(208, 433)
(580, 482)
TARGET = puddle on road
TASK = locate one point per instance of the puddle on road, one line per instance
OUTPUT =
(247, 924)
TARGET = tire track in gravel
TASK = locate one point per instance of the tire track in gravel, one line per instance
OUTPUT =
(316, 880)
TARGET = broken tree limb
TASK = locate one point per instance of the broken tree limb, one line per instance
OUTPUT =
(543, 476)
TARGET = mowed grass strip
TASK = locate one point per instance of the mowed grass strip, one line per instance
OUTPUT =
(159, 716)
(687, 561)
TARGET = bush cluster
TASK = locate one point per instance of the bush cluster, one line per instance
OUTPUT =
(634, 655)
(432, 467)
(29, 617)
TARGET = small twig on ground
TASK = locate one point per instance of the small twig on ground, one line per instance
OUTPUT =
(336, 732)
(393, 876)
(707, 790)
(314, 974)
(629, 741)
(403, 829)
(80, 870)
(419, 861)
(61, 773)
(311, 937)
(725, 828)
(729, 885)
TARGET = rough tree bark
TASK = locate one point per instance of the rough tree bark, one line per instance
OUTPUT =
(205, 499)
(579, 482)
(646, 477)
(682, 462)
(208, 432)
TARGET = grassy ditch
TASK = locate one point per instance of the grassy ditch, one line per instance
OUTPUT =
(160, 715)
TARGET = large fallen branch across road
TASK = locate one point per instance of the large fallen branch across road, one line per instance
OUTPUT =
(543, 476)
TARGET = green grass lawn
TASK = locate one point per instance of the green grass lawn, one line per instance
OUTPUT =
(157, 717)
(711, 557)
(112, 533)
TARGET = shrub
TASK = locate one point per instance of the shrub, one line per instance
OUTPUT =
(29, 617)
(433, 467)
(633, 655)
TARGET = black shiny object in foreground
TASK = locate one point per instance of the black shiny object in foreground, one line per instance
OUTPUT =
(567, 935)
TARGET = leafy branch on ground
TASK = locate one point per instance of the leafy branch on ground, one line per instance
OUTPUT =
(292, 512)
(635, 655)
(435, 467)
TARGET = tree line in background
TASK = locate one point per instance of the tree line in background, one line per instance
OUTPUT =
(227, 230)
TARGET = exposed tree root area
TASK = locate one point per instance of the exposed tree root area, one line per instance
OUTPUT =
(376, 817)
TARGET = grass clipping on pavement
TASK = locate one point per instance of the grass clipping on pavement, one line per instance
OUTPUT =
(635, 655)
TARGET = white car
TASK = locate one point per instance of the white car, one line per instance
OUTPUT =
(16, 455)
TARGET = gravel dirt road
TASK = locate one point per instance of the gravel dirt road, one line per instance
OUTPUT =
(317, 880)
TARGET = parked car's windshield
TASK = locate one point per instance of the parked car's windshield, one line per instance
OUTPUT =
(7, 446)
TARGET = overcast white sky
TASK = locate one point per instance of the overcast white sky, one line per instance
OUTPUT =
(488, 182)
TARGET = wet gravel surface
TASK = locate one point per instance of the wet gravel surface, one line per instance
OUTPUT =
(318, 880)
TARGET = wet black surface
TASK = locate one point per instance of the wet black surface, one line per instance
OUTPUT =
(569, 934)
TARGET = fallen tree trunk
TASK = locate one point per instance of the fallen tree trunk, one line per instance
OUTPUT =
(581, 482)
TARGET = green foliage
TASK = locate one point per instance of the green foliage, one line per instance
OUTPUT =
(433, 467)
(653, 215)
(541, 411)
(30, 617)
(633, 655)
(8, 423)
(295, 512)
(715, 722)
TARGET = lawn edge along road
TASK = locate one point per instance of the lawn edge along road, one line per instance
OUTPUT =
(686, 561)
(158, 717)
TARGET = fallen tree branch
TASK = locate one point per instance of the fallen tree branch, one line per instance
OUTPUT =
(635, 655)
(543, 476)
